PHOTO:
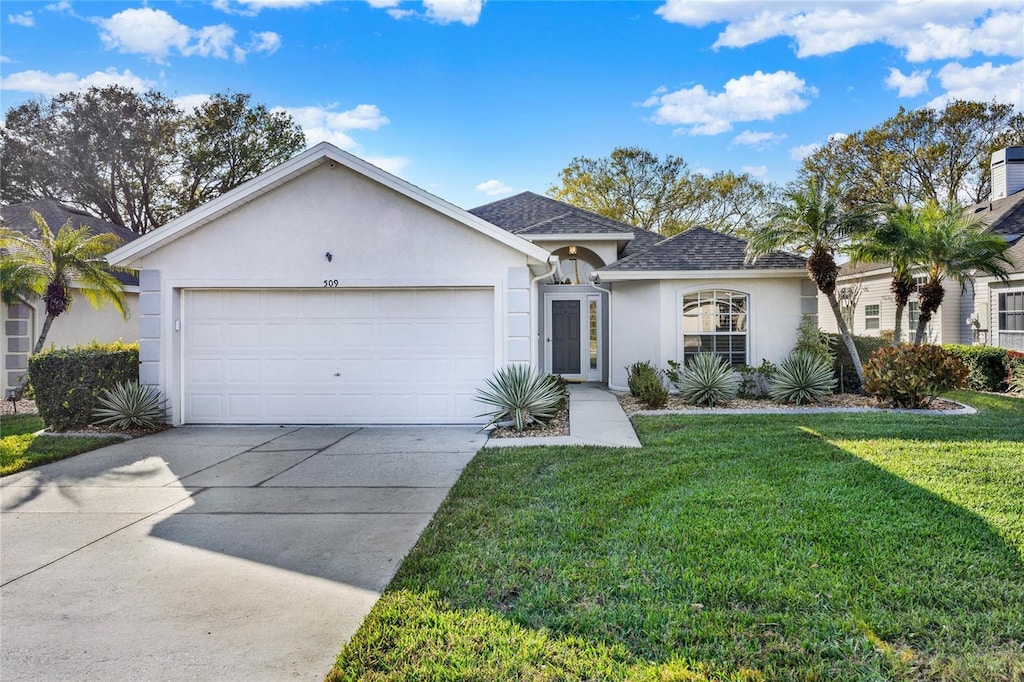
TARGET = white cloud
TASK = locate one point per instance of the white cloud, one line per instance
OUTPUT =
(982, 84)
(4, 59)
(25, 19)
(47, 84)
(323, 124)
(265, 41)
(251, 7)
(756, 171)
(908, 86)
(494, 188)
(758, 139)
(154, 33)
(802, 151)
(62, 6)
(190, 102)
(381, 4)
(401, 13)
(757, 97)
(945, 29)
(450, 11)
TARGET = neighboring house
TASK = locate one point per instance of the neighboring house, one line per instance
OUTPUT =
(22, 322)
(329, 291)
(998, 306)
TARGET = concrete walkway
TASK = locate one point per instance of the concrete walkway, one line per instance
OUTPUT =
(213, 553)
(595, 418)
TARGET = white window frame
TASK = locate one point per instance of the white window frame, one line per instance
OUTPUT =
(681, 353)
(876, 318)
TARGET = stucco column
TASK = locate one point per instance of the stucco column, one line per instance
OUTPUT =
(149, 327)
(517, 315)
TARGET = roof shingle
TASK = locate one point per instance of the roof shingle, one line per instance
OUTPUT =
(699, 248)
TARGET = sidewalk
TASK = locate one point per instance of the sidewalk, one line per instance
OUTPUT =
(595, 418)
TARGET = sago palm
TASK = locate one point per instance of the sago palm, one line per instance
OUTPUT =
(49, 266)
(813, 221)
(952, 245)
(894, 241)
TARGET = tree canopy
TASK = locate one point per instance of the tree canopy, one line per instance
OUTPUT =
(635, 186)
(940, 155)
(138, 159)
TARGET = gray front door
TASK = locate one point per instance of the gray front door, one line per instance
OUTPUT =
(565, 337)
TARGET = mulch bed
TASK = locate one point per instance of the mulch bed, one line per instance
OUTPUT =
(631, 405)
(29, 407)
(559, 426)
(21, 407)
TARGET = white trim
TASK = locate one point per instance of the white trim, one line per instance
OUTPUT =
(583, 299)
(622, 275)
(313, 157)
(682, 292)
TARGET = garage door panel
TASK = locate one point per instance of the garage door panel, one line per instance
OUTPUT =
(336, 356)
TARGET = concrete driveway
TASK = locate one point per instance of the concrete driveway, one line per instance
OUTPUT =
(212, 553)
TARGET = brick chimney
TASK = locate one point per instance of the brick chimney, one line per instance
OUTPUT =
(1007, 172)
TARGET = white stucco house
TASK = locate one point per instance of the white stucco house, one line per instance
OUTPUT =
(997, 306)
(22, 321)
(329, 291)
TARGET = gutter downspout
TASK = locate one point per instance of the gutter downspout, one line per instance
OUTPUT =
(534, 302)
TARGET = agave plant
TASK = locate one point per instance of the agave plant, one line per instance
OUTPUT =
(130, 405)
(523, 395)
(801, 378)
(707, 379)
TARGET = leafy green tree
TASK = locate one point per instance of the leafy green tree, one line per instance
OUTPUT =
(227, 141)
(47, 268)
(894, 241)
(636, 187)
(136, 159)
(108, 151)
(952, 245)
(941, 155)
(813, 221)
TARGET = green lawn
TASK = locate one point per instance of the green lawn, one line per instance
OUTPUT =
(796, 547)
(20, 450)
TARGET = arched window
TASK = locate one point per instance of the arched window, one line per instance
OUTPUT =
(715, 321)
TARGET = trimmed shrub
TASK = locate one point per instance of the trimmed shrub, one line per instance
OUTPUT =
(707, 379)
(802, 377)
(845, 374)
(756, 382)
(646, 384)
(68, 381)
(523, 395)
(987, 366)
(811, 339)
(910, 376)
(131, 405)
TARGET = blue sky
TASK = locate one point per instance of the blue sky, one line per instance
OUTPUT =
(473, 101)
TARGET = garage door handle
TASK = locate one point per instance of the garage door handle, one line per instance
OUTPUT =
(337, 374)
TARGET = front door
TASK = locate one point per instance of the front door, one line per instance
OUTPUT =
(565, 337)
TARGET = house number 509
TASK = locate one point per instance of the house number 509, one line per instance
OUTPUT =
(330, 283)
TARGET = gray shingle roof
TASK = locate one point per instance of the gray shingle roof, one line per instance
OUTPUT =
(529, 213)
(702, 249)
(17, 217)
(1003, 216)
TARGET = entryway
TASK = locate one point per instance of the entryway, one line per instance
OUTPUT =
(574, 333)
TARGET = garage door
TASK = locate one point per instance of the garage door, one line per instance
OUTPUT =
(380, 356)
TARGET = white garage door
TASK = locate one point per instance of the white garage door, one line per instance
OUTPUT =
(300, 356)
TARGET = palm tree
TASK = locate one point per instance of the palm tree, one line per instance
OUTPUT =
(954, 246)
(894, 242)
(48, 267)
(813, 221)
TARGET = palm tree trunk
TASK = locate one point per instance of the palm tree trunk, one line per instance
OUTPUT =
(844, 331)
(897, 334)
(19, 390)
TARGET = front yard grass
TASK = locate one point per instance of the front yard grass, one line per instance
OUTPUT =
(810, 547)
(20, 449)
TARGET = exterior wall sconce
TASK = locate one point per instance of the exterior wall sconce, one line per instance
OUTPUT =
(572, 250)
(329, 256)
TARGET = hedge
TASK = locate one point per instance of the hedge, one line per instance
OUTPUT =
(846, 375)
(988, 366)
(68, 381)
